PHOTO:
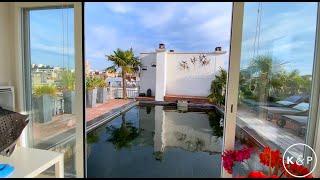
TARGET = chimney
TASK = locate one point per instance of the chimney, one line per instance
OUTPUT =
(161, 48)
(217, 49)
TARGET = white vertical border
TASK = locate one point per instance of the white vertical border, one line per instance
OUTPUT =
(80, 133)
(313, 130)
(18, 55)
(233, 81)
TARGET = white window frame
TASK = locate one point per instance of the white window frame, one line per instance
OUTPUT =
(18, 59)
(313, 130)
(232, 82)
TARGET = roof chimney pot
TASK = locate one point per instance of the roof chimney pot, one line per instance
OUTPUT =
(161, 48)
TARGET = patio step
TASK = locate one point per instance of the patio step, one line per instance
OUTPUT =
(190, 99)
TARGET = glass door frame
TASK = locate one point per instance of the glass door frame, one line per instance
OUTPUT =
(21, 59)
(313, 130)
(27, 84)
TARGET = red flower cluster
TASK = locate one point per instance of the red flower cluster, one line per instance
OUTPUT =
(231, 156)
(298, 170)
(243, 154)
(228, 159)
(259, 174)
(270, 158)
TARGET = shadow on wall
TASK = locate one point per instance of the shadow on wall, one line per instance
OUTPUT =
(191, 86)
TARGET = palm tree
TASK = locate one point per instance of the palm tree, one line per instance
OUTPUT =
(122, 137)
(126, 62)
(263, 68)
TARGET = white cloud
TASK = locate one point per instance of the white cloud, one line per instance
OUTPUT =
(119, 7)
(281, 26)
(157, 16)
(181, 26)
(53, 49)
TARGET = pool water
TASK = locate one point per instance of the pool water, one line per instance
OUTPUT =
(157, 141)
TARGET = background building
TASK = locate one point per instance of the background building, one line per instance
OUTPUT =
(179, 73)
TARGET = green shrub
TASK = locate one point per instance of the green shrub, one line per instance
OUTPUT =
(68, 80)
(261, 82)
(91, 83)
(100, 82)
(218, 88)
(50, 90)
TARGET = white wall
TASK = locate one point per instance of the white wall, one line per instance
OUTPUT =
(161, 76)
(194, 81)
(6, 45)
(148, 77)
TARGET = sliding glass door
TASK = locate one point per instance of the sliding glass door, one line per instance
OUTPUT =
(275, 78)
(49, 81)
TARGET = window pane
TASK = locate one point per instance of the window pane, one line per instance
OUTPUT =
(52, 82)
(275, 73)
(184, 50)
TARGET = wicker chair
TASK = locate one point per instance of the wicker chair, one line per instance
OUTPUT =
(11, 127)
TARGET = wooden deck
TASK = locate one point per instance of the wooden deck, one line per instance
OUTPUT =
(191, 99)
(267, 132)
(145, 98)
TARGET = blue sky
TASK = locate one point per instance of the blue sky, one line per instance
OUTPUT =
(287, 31)
(52, 37)
(181, 26)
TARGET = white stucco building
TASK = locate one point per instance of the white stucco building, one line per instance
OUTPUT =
(179, 73)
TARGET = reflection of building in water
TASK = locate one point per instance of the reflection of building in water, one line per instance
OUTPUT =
(190, 131)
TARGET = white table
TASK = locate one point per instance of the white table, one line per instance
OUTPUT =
(28, 162)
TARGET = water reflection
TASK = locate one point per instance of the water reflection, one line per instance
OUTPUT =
(156, 141)
(196, 131)
(124, 135)
(190, 131)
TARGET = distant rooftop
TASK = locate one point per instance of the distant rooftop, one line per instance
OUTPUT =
(162, 48)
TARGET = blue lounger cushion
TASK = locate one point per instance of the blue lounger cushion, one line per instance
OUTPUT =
(6, 170)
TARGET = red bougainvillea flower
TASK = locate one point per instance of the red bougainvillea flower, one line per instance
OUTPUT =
(270, 158)
(243, 154)
(228, 159)
(297, 170)
(231, 156)
(257, 174)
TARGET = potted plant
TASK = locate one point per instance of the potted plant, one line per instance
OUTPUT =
(91, 92)
(68, 87)
(101, 91)
(43, 102)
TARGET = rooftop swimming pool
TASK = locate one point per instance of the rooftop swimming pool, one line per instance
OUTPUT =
(157, 141)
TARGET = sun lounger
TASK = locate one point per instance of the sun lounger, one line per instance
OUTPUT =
(287, 102)
(299, 109)
(301, 121)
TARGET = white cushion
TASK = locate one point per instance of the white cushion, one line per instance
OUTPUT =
(285, 103)
(302, 106)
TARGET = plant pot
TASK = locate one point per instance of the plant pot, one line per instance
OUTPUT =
(91, 98)
(101, 95)
(44, 106)
(111, 92)
(68, 102)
